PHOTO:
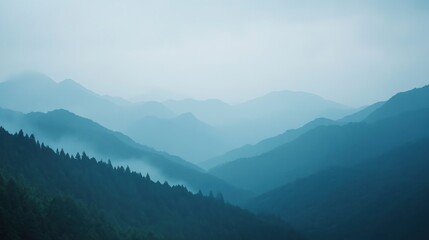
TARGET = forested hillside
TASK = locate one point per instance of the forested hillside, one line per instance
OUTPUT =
(59, 184)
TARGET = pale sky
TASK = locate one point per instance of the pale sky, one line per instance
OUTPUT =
(355, 53)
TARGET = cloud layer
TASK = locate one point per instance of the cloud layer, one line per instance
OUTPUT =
(355, 52)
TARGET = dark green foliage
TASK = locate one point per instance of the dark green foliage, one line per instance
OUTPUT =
(23, 215)
(383, 198)
(82, 198)
(77, 134)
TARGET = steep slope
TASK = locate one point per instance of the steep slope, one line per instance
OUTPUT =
(184, 136)
(62, 129)
(383, 198)
(265, 145)
(126, 199)
(323, 147)
(402, 102)
(288, 136)
(362, 114)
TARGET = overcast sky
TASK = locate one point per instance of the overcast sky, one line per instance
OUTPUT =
(354, 53)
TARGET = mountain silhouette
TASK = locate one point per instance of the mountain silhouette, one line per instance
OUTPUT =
(35, 92)
(288, 136)
(262, 117)
(233, 125)
(323, 147)
(52, 195)
(212, 111)
(63, 129)
(361, 114)
(266, 144)
(402, 102)
(382, 198)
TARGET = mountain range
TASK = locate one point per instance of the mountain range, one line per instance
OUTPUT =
(324, 146)
(262, 117)
(363, 179)
(268, 144)
(227, 126)
(302, 164)
(381, 198)
(53, 195)
(64, 130)
(265, 145)
(183, 132)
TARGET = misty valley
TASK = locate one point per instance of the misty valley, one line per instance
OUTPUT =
(78, 165)
(214, 120)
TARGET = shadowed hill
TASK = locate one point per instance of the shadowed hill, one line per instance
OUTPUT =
(382, 198)
(124, 199)
(265, 145)
(333, 145)
(268, 144)
(62, 129)
(323, 147)
(362, 114)
(402, 102)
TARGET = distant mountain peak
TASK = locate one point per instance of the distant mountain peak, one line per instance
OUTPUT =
(197, 101)
(187, 116)
(69, 81)
(290, 92)
(31, 77)
(415, 99)
(71, 84)
(61, 111)
(288, 95)
(54, 113)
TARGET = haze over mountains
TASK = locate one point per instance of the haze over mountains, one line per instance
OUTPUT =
(371, 193)
(328, 171)
(52, 195)
(262, 117)
(360, 180)
(266, 144)
(64, 130)
(214, 120)
(288, 136)
(221, 127)
(332, 145)
(187, 136)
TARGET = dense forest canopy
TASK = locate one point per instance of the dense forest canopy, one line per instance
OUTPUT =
(78, 197)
